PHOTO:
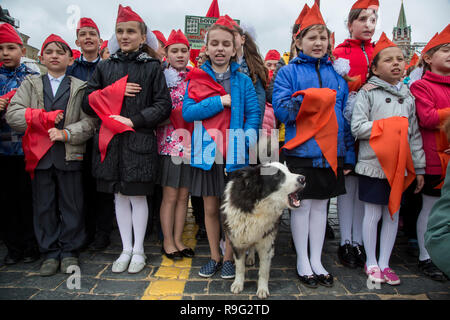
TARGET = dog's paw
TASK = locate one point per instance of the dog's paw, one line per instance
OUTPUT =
(237, 287)
(263, 293)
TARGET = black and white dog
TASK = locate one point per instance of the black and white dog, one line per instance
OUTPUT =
(254, 200)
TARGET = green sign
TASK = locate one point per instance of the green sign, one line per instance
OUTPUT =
(196, 28)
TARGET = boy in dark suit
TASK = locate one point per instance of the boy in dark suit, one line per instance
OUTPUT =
(57, 170)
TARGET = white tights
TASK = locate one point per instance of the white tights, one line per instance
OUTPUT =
(422, 222)
(131, 215)
(372, 215)
(351, 213)
(309, 220)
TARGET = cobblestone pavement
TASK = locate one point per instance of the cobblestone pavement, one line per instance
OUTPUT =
(164, 280)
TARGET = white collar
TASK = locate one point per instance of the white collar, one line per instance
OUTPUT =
(51, 78)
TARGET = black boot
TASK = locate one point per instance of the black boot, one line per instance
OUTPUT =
(360, 255)
(429, 269)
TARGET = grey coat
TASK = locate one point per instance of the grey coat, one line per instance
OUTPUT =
(380, 100)
(80, 126)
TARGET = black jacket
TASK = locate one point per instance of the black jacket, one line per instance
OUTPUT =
(131, 162)
(81, 69)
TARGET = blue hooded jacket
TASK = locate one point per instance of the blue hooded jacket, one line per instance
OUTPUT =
(302, 73)
(11, 141)
(82, 69)
(245, 115)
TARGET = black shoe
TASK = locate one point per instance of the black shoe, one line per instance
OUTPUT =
(329, 233)
(172, 256)
(360, 256)
(201, 233)
(308, 281)
(347, 256)
(429, 269)
(31, 255)
(188, 253)
(100, 243)
(325, 280)
(12, 259)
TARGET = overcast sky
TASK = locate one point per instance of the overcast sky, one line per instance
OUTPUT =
(272, 19)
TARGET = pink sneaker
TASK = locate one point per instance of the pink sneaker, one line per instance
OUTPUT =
(375, 274)
(390, 277)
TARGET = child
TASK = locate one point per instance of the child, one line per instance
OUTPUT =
(357, 50)
(129, 165)
(57, 169)
(271, 60)
(432, 94)
(175, 175)
(437, 236)
(99, 206)
(104, 51)
(385, 123)
(17, 217)
(251, 64)
(308, 151)
(237, 101)
(88, 39)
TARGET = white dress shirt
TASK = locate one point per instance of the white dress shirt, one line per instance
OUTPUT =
(55, 82)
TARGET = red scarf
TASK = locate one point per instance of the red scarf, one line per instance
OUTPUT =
(317, 119)
(202, 86)
(36, 141)
(8, 97)
(389, 140)
(107, 102)
(442, 144)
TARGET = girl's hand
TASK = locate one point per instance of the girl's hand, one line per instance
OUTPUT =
(56, 135)
(226, 101)
(420, 183)
(132, 89)
(3, 104)
(58, 118)
(447, 151)
(123, 120)
(346, 172)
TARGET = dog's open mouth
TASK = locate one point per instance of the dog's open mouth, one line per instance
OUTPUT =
(294, 198)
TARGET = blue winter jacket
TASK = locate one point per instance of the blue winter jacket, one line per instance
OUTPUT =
(302, 73)
(245, 119)
(11, 141)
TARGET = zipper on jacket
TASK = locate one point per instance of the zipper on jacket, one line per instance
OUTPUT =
(318, 72)
(367, 57)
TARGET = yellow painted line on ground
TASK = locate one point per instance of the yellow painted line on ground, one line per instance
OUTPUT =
(169, 281)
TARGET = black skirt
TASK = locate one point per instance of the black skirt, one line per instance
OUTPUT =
(373, 190)
(174, 175)
(126, 188)
(321, 183)
(208, 183)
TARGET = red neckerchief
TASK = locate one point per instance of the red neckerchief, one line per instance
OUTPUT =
(36, 141)
(317, 119)
(442, 144)
(389, 140)
(202, 86)
(107, 102)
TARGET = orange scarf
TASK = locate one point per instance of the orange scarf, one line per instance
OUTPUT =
(317, 119)
(389, 140)
(442, 144)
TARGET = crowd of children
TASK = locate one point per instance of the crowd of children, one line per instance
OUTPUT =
(97, 135)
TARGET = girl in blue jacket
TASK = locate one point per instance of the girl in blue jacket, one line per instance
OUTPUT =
(208, 170)
(312, 68)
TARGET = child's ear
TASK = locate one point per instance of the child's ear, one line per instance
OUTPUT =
(71, 60)
(78, 43)
(24, 51)
(427, 58)
(374, 69)
(298, 44)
